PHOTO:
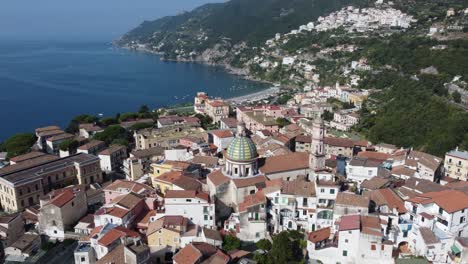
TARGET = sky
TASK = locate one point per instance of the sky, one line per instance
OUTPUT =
(82, 19)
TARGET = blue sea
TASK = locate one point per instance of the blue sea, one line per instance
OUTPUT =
(48, 83)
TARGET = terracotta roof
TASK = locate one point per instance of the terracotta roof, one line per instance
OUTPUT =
(427, 160)
(60, 137)
(258, 181)
(319, 235)
(364, 162)
(299, 187)
(187, 183)
(402, 170)
(212, 234)
(349, 222)
(338, 142)
(187, 194)
(450, 200)
(92, 144)
(230, 122)
(218, 178)
(388, 197)
(284, 163)
(51, 132)
(222, 133)
(115, 234)
(377, 156)
(128, 186)
(47, 128)
(304, 139)
(426, 215)
(207, 161)
(371, 225)
(252, 200)
(61, 197)
(112, 149)
(423, 186)
(128, 201)
(188, 255)
(168, 221)
(428, 236)
(114, 211)
(27, 156)
(115, 256)
(169, 177)
(352, 199)
(374, 183)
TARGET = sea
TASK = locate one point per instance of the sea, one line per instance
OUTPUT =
(48, 83)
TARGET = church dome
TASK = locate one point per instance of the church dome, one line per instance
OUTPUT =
(242, 149)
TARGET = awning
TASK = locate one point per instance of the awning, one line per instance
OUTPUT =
(455, 250)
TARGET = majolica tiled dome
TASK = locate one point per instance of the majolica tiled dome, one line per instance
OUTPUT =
(242, 149)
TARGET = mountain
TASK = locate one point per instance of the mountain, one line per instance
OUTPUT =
(236, 20)
(409, 55)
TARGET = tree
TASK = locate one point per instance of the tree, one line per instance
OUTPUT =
(231, 242)
(19, 144)
(144, 109)
(69, 145)
(287, 247)
(74, 125)
(139, 126)
(128, 116)
(456, 97)
(112, 134)
(282, 122)
(205, 120)
(327, 116)
(263, 244)
(107, 121)
(284, 99)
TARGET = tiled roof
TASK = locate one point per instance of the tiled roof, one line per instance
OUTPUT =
(169, 177)
(252, 181)
(388, 197)
(241, 149)
(61, 197)
(230, 122)
(371, 225)
(115, 256)
(188, 255)
(212, 234)
(372, 155)
(299, 187)
(188, 183)
(112, 149)
(284, 163)
(128, 186)
(428, 236)
(252, 200)
(128, 201)
(304, 139)
(218, 178)
(205, 160)
(364, 162)
(27, 156)
(338, 142)
(60, 137)
(352, 199)
(374, 183)
(222, 133)
(349, 222)
(116, 233)
(187, 194)
(47, 128)
(92, 144)
(450, 200)
(319, 235)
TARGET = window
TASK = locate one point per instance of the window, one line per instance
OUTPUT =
(369, 173)
(346, 240)
(205, 217)
(37, 187)
(382, 247)
(345, 253)
(276, 200)
(462, 219)
(332, 191)
(422, 219)
(73, 204)
(257, 234)
(373, 247)
(322, 190)
(83, 259)
(441, 210)
(304, 212)
(188, 200)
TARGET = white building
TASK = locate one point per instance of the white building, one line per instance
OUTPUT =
(112, 158)
(360, 169)
(194, 205)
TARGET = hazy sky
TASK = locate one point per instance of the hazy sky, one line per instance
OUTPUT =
(86, 19)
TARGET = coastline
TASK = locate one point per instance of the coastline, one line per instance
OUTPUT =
(233, 71)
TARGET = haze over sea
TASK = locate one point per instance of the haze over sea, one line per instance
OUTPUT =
(45, 83)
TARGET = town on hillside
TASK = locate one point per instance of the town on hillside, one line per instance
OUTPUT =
(250, 182)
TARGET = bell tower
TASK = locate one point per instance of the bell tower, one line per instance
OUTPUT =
(317, 150)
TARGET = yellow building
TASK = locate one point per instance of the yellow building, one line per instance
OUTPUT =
(456, 164)
(166, 232)
(357, 98)
(164, 182)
